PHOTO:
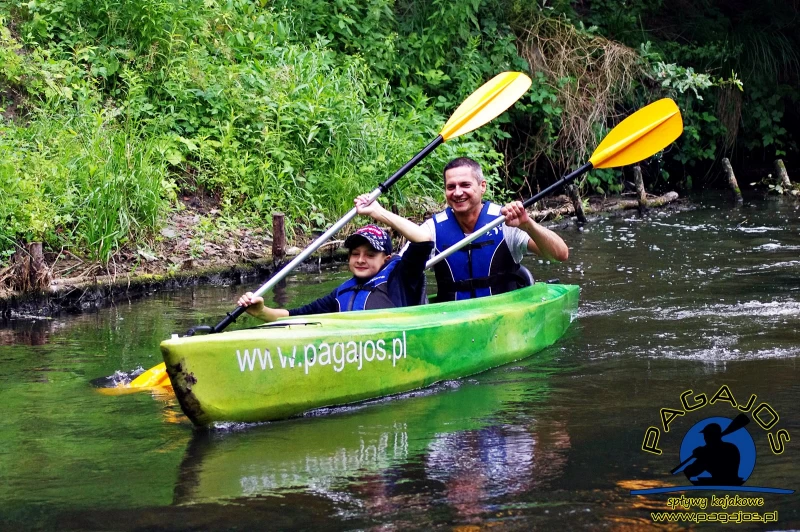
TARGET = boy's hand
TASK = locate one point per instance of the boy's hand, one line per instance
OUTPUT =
(254, 305)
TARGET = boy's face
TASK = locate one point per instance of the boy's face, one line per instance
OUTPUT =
(365, 261)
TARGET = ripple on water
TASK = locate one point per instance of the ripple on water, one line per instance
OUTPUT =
(757, 229)
(749, 308)
(726, 354)
(773, 246)
(685, 227)
(596, 308)
(118, 378)
(770, 266)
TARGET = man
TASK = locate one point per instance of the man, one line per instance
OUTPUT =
(488, 265)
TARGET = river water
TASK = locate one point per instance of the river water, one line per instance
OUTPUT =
(695, 300)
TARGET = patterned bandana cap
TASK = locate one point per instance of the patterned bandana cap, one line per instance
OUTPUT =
(374, 236)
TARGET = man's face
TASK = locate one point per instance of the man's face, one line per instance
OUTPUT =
(462, 191)
(365, 262)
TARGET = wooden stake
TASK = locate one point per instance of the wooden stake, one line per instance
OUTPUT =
(29, 270)
(577, 204)
(637, 177)
(41, 276)
(278, 237)
(784, 177)
(732, 180)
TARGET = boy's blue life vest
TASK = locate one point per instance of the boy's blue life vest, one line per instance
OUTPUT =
(482, 268)
(374, 294)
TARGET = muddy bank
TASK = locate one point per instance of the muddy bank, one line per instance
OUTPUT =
(185, 256)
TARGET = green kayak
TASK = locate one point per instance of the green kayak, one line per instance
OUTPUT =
(285, 368)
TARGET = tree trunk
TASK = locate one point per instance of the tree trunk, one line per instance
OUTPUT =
(569, 209)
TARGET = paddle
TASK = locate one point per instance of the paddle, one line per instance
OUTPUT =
(483, 105)
(491, 99)
(648, 130)
(642, 134)
(738, 422)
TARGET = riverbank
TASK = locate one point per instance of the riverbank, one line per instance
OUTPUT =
(197, 247)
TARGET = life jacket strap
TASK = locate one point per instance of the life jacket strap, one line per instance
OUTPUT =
(478, 283)
(478, 245)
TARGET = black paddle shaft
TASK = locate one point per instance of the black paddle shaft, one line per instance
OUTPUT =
(561, 182)
(386, 185)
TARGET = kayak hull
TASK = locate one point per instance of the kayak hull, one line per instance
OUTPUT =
(283, 369)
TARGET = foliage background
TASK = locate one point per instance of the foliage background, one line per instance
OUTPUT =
(113, 110)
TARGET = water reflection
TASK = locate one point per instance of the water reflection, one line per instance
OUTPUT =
(479, 467)
(324, 453)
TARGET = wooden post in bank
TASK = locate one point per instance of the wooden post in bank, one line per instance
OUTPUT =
(278, 237)
(726, 164)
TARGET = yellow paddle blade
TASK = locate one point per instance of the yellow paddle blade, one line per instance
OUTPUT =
(155, 376)
(491, 99)
(648, 130)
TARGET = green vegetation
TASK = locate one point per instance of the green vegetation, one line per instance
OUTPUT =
(112, 109)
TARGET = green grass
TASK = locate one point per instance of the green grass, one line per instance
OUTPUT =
(81, 181)
(116, 112)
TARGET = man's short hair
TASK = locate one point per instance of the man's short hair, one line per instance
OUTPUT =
(477, 173)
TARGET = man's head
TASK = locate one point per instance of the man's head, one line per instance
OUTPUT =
(464, 185)
(370, 249)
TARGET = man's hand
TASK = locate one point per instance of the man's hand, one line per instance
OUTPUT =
(515, 214)
(371, 209)
(543, 241)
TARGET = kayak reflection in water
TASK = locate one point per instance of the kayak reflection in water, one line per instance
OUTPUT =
(379, 280)
(719, 458)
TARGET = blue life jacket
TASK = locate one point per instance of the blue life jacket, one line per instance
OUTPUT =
(482, 268)
(374, 294)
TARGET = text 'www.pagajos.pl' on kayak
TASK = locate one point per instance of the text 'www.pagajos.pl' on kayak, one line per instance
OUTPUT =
(334, 354)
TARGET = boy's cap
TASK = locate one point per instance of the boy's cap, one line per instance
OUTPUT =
(374, 236)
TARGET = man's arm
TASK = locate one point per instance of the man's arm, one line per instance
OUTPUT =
(407, 228)
(543, 241)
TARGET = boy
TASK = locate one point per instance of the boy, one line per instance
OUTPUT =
(379, 280)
